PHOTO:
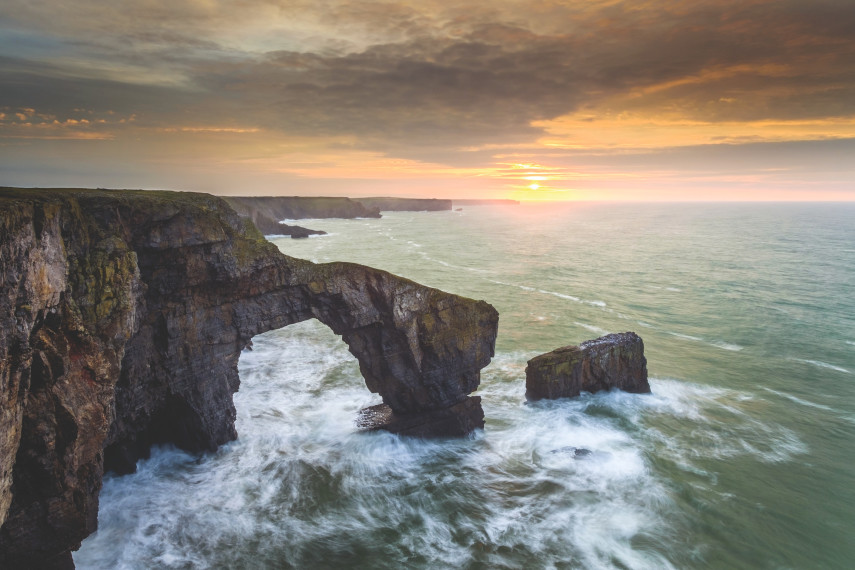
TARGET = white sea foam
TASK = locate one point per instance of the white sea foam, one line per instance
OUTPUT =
(553, 293)
(572, 298)
(726, 345)
(851, 343)
(685, 336)
(725, 425)
(798, 400)
(822, 364)
(716, 343)
(562, 296)
(302, 488)
(592, 328)
(301, 478)
(450, 265)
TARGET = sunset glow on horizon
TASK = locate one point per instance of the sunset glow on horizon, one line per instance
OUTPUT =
(543, 100)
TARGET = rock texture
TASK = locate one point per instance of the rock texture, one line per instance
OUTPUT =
(296, 232)
(122, 318)
(301, 207)
(612, 361)
(264, 221)
(460, 418)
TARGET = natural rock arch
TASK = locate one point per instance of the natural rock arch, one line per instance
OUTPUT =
(123, 318)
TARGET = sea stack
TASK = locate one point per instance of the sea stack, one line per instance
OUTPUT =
(611, 361)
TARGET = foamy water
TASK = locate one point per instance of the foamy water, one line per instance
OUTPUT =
(740, 458)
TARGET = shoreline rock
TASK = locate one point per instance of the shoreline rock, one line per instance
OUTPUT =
(122, 319)
(460, 419)
(611, 361)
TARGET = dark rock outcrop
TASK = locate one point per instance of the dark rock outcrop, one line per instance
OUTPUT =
(389, 204)
(122, 318)
(297, 232)
(463, 417)
(612, 361)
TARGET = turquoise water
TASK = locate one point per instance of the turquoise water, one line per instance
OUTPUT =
(741, 458)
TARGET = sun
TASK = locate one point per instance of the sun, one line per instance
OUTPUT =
(534, 186)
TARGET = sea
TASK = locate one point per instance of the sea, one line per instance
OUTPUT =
(743, 455)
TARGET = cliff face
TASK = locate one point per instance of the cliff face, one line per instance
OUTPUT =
(122, 318)
(300, 207)
(405, 204)
(612, 361)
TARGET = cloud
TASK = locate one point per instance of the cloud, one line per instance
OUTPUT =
(426, 80)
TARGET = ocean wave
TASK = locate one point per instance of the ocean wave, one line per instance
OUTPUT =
(592, 328)
(800, 401)
(572, 298)
(302, 488)
(822, 364)
(726, 425)
(450, 265)
(726, 345)
(716, 343)
(685, 336)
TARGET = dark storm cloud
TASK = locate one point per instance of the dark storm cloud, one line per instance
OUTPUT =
(436, 74)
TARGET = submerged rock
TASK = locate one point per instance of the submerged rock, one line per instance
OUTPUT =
(578, 452)
(612, 361)
(122, 318)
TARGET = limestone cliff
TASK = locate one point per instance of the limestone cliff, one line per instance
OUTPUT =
(301, 207)
(612, 361)
(265, 220)
(122, 318)
(390, 204)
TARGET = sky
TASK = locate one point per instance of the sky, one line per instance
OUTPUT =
(530, 100)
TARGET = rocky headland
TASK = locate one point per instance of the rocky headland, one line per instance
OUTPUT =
(390, 204)
(302, 207)
(267, 211)
(611, 361)
(122, 318)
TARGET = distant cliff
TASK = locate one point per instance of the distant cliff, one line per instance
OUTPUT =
(384, 204)
(122, 318)
(302, 207)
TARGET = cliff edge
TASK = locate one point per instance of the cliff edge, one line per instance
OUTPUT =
(122, 318)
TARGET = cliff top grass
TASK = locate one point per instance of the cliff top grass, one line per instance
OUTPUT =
(155, 202)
